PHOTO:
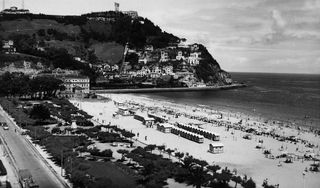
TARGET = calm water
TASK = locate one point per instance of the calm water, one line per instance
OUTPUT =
(288, 97)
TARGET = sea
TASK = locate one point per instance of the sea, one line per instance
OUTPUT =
(290, 98)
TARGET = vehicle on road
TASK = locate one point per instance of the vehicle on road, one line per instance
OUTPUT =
(26, 180)
(5, 127)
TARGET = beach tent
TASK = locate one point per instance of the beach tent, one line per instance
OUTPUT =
(164, 127)
(216, 147)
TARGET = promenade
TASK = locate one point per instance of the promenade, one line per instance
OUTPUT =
(24, 156)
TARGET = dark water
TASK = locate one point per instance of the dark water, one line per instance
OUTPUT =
(287, 97)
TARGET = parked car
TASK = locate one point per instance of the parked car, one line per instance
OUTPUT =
(5, 127)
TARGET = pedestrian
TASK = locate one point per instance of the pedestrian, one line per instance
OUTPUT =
(145, 138)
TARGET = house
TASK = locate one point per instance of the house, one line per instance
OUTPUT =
(216, 147)
(132, 73)
(180, 56)
(194, 58)
(114, 67)
(40, 65)
(164, 56)
(168, 70)
(164, 127)
(144, 71)
(194, 47)
(8, 47)
(143, 60)
(27, 64)
(148, 48)
(183, 44)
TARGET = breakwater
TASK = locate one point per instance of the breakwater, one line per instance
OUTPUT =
(177, 89)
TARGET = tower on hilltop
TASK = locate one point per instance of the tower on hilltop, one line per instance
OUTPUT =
(116, 6)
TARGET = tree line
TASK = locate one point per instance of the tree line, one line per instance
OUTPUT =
(20, 85)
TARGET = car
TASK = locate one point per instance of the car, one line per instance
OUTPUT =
(5, 127)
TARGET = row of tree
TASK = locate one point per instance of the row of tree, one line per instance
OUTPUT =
(20, 85)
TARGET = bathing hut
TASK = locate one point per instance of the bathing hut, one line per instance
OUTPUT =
(123, 111)
(187, 134)
(207, 134)
(164, 127)
(216, 147)
(145, 119)
(158, 118)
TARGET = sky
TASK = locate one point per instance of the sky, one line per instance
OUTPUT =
(278, 36)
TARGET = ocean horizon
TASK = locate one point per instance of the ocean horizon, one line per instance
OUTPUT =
(287, 97)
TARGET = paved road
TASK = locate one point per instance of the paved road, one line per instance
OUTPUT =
(26, 158)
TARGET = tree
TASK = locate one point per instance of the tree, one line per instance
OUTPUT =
(179, 155)
(41, 32)
(150, 147)
(161, 148)
(123, 152)
(40, 112)
(169, 151)
(249, 184)
(198, 175)
(236, 179)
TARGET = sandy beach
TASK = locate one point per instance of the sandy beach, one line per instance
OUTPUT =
(239, 153)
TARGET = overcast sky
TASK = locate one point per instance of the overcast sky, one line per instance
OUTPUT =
(243, 35)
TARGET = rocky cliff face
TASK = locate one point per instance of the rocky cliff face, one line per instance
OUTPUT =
(210, 71)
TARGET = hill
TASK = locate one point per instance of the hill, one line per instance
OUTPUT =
(99, 38)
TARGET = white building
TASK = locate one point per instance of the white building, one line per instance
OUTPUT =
(73, 84)
(164, 56)
(168, 70)
(8, 46)
(180, 56)
(131, 13)
(194, 58)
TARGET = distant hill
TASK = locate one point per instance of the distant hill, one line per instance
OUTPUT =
(95, 37)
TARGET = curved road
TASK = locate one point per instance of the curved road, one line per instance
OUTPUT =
(25, 157)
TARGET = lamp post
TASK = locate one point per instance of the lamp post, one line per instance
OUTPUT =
(303, 178)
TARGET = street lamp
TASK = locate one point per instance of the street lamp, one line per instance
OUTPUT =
(303, 177)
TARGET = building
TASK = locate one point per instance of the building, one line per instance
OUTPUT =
(123, 111)
(131, 13)
(143, 60)
(27, 64)
(180, 56)
(194, 58)
(164, 56)
(164, 127)
(15, 10)
(114, 68)
(75, 86)
(168, 70)
(8, 47)
(148, 48)
(144, 119)
(216, 148)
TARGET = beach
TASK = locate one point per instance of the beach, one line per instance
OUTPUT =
(240, 155)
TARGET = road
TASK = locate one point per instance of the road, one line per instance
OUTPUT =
(25, 157)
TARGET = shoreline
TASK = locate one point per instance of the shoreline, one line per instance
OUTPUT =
(176, 89)
(244, 159)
